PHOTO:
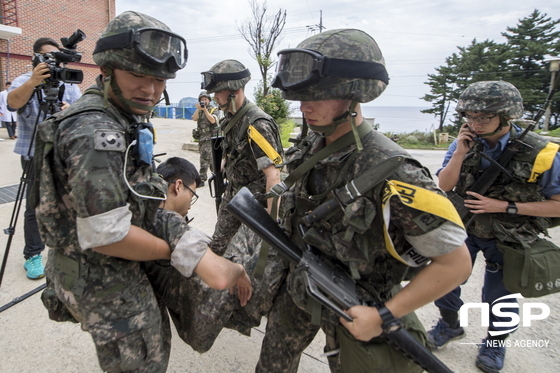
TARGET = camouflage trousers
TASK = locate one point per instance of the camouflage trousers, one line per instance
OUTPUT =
(226, 227)
(205, 150)
(289, 331)
(113, 301)
(199, 313)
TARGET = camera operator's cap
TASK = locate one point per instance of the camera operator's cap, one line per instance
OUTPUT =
(343, 64)
(139, 43)
(495, 97)
(225, 75)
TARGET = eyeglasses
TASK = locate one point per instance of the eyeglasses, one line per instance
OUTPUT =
(155, 46)
(194, 197)
(299, 68)
(481, 120)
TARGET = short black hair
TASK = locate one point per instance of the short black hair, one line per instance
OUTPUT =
(8, 83)
(43, 41)
(179, 168)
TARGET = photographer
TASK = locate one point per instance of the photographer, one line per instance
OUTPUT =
(207, 127)
(20, 95)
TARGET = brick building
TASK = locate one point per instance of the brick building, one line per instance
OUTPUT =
(24, 21)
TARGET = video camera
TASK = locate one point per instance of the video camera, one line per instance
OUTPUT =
(66, 55)
(202, 104)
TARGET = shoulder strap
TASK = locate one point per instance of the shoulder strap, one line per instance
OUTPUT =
(237, 117)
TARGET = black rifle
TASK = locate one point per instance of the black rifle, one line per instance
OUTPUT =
(216, 182)
(485, 181)
(328, 284)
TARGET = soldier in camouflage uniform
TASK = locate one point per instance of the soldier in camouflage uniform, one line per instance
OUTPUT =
(95, 217)
(514, 209)
(191, 284)
(252, 150)
(207, 125)
(331, 74)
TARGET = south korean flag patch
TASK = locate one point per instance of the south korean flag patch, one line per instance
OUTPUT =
(109, 140)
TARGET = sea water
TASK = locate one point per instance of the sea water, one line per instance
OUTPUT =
(394, 119)
(399, 119)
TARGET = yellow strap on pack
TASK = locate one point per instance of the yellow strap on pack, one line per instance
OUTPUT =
(264, 145)
(544, 161)
(419, 199)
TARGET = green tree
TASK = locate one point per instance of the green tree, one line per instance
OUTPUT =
(520, 60)
(531, 40)
(272, 102)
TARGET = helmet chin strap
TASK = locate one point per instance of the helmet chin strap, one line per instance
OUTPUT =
(126, 103)
(503, 123)
(326, 131)
(230, 101)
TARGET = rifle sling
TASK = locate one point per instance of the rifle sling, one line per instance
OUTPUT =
(237, 117)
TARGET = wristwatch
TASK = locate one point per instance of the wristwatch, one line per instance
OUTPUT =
(511, 209)
(390, 322)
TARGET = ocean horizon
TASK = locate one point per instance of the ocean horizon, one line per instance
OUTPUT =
(396, 119)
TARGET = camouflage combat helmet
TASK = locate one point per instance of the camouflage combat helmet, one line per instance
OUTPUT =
(228, 75)
(360, 59)
(121, 47)
(495, 97)
(204, 94)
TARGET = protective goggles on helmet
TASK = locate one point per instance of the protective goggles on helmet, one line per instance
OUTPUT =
(155, 46)
(300, 68)
(210, 78)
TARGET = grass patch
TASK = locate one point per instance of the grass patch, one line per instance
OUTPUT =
(286, 128)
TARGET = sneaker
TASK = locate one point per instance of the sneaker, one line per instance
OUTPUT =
(34, 267)
(490, 359)
(441, 334)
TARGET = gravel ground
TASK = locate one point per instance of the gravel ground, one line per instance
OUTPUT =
(30, 342)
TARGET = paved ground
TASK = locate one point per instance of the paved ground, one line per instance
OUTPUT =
(30, 342)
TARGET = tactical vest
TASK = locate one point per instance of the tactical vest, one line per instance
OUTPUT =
(516, 189)
(241, 165)
(352, 238)
(55, 216)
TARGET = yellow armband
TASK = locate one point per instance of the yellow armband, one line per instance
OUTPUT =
(544, 161)
(265, 146)
(434, 204)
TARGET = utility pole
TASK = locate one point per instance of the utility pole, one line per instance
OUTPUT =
(554, 67)
(320, 26)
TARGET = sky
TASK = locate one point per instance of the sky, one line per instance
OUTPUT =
(415, 36)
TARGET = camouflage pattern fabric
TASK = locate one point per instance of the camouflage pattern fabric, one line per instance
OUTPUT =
(110, 297)
(228, 67)
(507, 228)
(349, 238)
(496, 97)
(126, 59)
(206, 130)
(205, 149)
(198, 312)
(241, 168)
(349, 44)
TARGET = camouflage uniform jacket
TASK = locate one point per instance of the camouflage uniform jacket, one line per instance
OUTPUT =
(245, 160)
(354, 237)
(84, 202)
(205, 128)
(516, 189)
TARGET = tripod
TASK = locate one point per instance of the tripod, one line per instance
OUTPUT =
(47, 107)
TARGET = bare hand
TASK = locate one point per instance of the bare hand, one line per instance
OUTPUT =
(484, 204)
(366, 324)
(40, 73)
(464, 139)
(65, 105)
(244, 289)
